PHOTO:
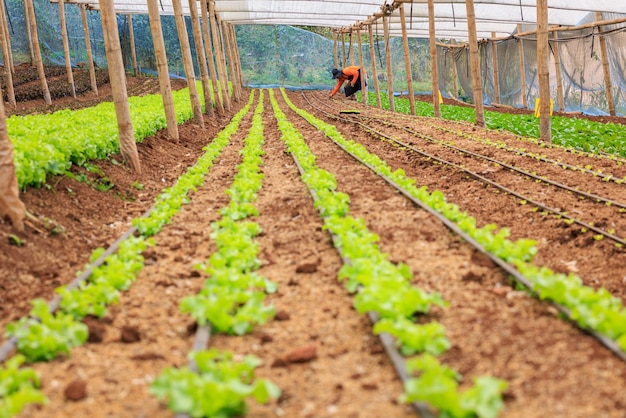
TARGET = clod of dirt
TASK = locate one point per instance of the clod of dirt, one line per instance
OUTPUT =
(502, 290)
(482, 260)
(150, 355)
(76, 391)
(282, 316)
(279, 362)
(130, 334)
(308, 267)
(97, 330)
(302, 354)
(471, 276)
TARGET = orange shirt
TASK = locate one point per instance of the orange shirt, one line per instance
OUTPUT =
(348, 73)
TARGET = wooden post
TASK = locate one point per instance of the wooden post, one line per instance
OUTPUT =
(455, 75)
(494, 60)
(187, 63)
(128, 147)
(542, 71)
(237, 55)
(392, 106)
(7, 37)
(374, 72)
(204, 10)
(433, 59)
(522, 68)
(6, 52)
(231, 60)
(557, 67)
(162, 69)
(10, 203)
(335, 59)
(352, 62)
(38, 62)
(92, 69)
(608, 85)
(474, 63)
(364, 97)
(133, 53)
(66, 49)
(236, 64)
(407, 60)
(204, 72)
(219, 53)
(344, 61)
(29, 34)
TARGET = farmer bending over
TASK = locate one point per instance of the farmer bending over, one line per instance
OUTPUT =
(352, 74)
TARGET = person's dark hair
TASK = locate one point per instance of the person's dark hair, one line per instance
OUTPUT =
(336, 73)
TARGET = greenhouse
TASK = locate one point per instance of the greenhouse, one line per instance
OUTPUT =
(356, 209)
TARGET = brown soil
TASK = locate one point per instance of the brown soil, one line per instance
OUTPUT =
(553, 369)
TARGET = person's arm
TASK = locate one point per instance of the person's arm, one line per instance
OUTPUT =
(340, 81)
(352, 71)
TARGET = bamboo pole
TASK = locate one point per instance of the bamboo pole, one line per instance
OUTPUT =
(8, 73)
(559, 80)
(204, 10)
(352, 62)
(133, 52)
(187, 63)
(373, 59)
(344, 61)
(66, 49)
(128, 147)
(364, 96)
(92, 69)
(474, 63)
(522, 68)
(231, 60)
(455, 75)
(433, 59)
(162, 70)
(29, 34)
(335, 58)
(494, 60)
(201, 57)
(7, 36)
(542, 70)
(392, 106)
(38, 62)
(608, 85)
(236, 60)
(219, 53)
(407, 60)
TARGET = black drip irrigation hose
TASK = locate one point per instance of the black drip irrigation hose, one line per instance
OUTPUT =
(497, 185)
(396, 358)
(509, 269)
(200, 342)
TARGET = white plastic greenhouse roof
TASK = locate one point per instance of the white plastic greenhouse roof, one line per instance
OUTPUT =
(499, 17)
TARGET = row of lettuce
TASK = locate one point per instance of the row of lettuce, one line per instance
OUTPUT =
(44, 335)
(385, 288)
(578, 133)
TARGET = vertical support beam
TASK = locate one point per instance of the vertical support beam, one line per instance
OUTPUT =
(557, 68)
(162, 69)
(10, 203)
(542, 70)
(133, 52)
(608, 86)
(474, 63)
(66, 48)
(352, 62)
(204, 72)
(7, 37)
(29, 34)
(228, 44)
(187, 63)
(455, 75)
(92, 69)
(522, 67)
(344, 61)
(392, 105)
(494, 60)
(219, 53)
(364, 96)
(434, 68)
(374, 72)
(407, 60)
(236, 58)
(6, 53)
(38, 62)
(204, 10)
(335, 59)
(128, 147)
